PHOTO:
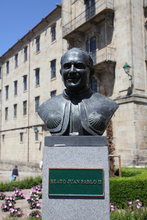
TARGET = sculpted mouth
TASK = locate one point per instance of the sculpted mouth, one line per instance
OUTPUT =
(73, 80)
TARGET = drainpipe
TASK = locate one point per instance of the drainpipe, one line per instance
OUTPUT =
(28, 141)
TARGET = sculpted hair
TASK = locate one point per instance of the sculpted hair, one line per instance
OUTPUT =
(90, 63)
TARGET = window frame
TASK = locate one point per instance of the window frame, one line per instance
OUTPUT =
(7, 67)
(37, 103)
(21, 136)
(25, 53)
(16, 60)
(25, 83)
(37, 39)
(53, 68)
(53, 32)
(37, 76)
(53, 93)
(7, 92)
(6, 113)
(15, 88)
(25, 107)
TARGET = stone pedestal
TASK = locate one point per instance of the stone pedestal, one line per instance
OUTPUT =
(79, 152)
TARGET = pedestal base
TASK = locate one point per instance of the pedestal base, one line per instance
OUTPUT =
(79, 152)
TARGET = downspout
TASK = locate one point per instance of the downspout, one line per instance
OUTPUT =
(28, 141)
(132, 59)
(1, 114)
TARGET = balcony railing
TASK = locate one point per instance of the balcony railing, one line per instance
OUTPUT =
(86, 15)
(105, 54)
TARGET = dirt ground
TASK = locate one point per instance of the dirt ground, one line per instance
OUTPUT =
(23, 204)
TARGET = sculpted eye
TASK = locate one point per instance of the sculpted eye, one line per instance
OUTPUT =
(80, 66)
(67, 65)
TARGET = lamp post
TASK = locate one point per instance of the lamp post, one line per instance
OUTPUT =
(127, 68)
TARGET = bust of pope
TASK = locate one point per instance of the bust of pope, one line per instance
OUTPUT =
(78, 110)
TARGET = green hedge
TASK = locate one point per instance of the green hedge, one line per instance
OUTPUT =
(22, 184)
(140, 214)
(129, 188)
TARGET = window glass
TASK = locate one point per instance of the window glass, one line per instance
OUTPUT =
(25, 82)
(7, 67)
(24, 107)
(15, 87)
(37, 100)
(16, 60)
(53, 93)
(25, 54)
(15, 110)
(38, 44)
(53, 68)
(37, 76)
(6, 113)
(53, 33)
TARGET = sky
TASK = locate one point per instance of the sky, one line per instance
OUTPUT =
(17, 17)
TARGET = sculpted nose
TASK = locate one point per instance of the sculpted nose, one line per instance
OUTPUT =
(72, 69)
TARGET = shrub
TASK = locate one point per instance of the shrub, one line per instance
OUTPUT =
(140, 214)
(9, 203)
(18, 194)
(2, 196)
(35, 215)
(16, 212)
(126, 189)
(22, 184)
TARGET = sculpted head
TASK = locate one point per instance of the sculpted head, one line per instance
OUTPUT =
(76, 69)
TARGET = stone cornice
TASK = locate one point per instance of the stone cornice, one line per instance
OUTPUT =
(134, 98)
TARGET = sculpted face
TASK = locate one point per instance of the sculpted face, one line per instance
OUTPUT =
(75, 70)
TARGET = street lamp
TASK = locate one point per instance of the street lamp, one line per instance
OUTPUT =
(127, 68)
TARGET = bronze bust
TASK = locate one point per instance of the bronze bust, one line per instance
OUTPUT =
(78, 110)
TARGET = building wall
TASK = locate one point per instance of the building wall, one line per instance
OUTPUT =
(29, 150)
(120, 31)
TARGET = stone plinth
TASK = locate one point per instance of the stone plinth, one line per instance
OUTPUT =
(79, 152)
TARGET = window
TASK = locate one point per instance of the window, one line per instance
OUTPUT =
(53, 68)
(24, 107)
(37, 76)
(0, 72)
(36, 135)
(3, 137)
(53, 33)
(21, 137)
(7, 67)
(15, 87)
(38, 44)
(91, 44)
(6, 113)
(90, 8)
(15, 110)
(7, 91)
(37, 100)
(16, 60)
(25, 82)
(25, 54)
(91, 47)
(93, 84)
(53, 93)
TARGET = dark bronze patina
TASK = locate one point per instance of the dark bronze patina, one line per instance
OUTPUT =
(78, 111)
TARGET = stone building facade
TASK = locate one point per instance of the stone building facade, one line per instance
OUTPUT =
(114, 33)
(30, 75)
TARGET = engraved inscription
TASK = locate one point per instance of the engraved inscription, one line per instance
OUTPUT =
(75, 181)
